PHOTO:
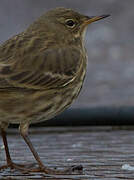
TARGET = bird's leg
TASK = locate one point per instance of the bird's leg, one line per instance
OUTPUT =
(8, 157)
(42, 168)
(10, 163)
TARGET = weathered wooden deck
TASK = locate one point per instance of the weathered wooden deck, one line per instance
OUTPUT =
(102, 151)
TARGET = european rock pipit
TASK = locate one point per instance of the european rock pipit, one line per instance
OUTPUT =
(41, 73)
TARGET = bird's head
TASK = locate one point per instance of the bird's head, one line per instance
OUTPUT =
(72, 21)
(63, 22)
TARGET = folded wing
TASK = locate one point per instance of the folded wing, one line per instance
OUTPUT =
(50, 68)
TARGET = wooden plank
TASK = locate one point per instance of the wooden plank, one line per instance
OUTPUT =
(101, 150)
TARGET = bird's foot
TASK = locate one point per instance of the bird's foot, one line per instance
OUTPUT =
(28, 168)
(76, 169)
(20, 167)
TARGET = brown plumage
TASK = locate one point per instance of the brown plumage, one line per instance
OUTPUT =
(41, 72)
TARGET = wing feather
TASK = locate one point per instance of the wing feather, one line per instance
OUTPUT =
(51, 68)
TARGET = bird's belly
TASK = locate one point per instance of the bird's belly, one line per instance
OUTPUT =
(57, 104)
(39, 106)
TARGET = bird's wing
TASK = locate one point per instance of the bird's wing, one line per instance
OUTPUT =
(50, 68)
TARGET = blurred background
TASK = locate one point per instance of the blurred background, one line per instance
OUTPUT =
(110, 46)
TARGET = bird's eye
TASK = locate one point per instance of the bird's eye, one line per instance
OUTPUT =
(70, 23)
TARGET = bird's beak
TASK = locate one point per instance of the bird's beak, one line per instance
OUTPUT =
(94, 18)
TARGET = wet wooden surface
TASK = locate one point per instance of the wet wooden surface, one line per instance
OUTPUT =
(102, 151)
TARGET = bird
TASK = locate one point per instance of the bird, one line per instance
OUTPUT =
(42, 71)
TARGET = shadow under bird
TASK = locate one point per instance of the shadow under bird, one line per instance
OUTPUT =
(41, 73)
